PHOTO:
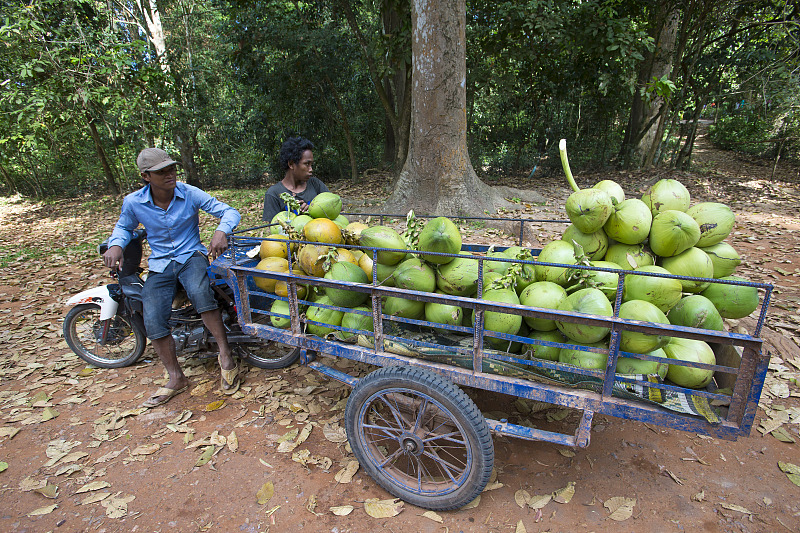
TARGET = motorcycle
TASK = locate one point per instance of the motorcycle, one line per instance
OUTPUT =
(105, 326)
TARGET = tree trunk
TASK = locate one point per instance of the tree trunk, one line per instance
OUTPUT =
(438, 177)
(345, 129)
(111, 180)
(186, 144)
(644, 123)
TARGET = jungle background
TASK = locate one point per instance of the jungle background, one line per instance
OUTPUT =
(85, 85)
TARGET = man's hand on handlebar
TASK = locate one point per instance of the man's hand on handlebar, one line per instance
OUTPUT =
(219, 243)
(113, 258)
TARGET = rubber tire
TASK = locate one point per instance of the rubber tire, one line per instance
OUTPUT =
(77, 346)
(249, 352)
(464, 415)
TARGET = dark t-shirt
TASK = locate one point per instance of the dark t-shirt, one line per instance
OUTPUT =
(273, 203)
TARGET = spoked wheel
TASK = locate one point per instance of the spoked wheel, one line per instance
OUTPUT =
(419, 437)
(268, 354)
(84, 332)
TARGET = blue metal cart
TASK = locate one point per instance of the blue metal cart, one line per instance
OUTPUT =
(422, 438)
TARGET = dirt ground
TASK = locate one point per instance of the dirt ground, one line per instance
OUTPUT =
(82, 457)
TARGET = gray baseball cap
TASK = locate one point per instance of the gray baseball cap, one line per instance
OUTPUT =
(152, 159)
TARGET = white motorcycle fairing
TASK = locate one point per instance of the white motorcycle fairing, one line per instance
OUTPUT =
(99, 296)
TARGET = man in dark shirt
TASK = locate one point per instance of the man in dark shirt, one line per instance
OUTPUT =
(297, 161)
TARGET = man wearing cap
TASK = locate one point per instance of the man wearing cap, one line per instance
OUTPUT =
(168, 210)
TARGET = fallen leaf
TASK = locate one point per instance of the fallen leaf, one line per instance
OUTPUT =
(335, 434)
(44, 510)
(203, 388)
(265, 493)
(700, 496)
(208, 453)
(620, 508)
(95, 497)
(28, 484)
(492, 486)
(94, 485)
(48, 414)
(213, 406)
(146, 449)
(3, 466)
(566, 452)
(117, 507)
(522, 497)
(377, 508)
(565, 495)
(311, 505)
(263, 462)
(342, 510)
(675, 478)
(8, 432)
(540, 500)
(233, 442)
(732, 507)
(48, 491)
(520, 528)
(430, 515)
(345, 475)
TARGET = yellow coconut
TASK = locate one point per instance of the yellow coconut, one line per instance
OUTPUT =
(273, 246)
(311, 259)
(323, 230)
(343, 254)
(282, 287)
(270, 264)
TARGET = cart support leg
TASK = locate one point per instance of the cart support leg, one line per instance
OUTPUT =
(584, 428)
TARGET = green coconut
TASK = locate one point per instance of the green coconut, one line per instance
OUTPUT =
(345, 271)
(629, 256)
(384, 272)
(724, 258)
(693, 262)
(634, 341)
(341, 221)
(328, 317)
(353, 320)
(680, 349)
(696, 311)
(281, 308)
(715, 221)
(629, 222)
(732, 301)
(631, 366)
(281, 216)
(664, 293)
(612, 189)
(590, 302)
(557, 252)
(667, 194)
(589, 209)
(602, 279)
(595, 245)
(585, 359)
(673, 232)
(459, 277)
(439, 235)
(545, 295)
(542, 351)
(527, 272)
(414, 274)
(325, 205)
(501, 322)
(299, 222)
(451, 315)
(402, 307)
(384, 237)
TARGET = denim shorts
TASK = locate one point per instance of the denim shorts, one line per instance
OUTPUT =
(159, 291)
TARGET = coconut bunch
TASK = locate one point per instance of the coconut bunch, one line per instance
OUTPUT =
(663, 234)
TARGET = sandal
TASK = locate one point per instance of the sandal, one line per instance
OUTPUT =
(231, 380)
(162, 396)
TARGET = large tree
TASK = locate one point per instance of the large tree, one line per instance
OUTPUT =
(438, 177)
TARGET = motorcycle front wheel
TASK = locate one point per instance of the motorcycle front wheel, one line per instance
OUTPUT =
(84, 332)
(268, 354)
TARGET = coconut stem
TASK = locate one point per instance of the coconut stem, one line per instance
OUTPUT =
(562, 150)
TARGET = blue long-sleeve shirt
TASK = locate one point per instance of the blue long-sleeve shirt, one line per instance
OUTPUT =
(174, 233)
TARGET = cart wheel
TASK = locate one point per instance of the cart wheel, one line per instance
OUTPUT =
(268, 354)
(419, 437)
